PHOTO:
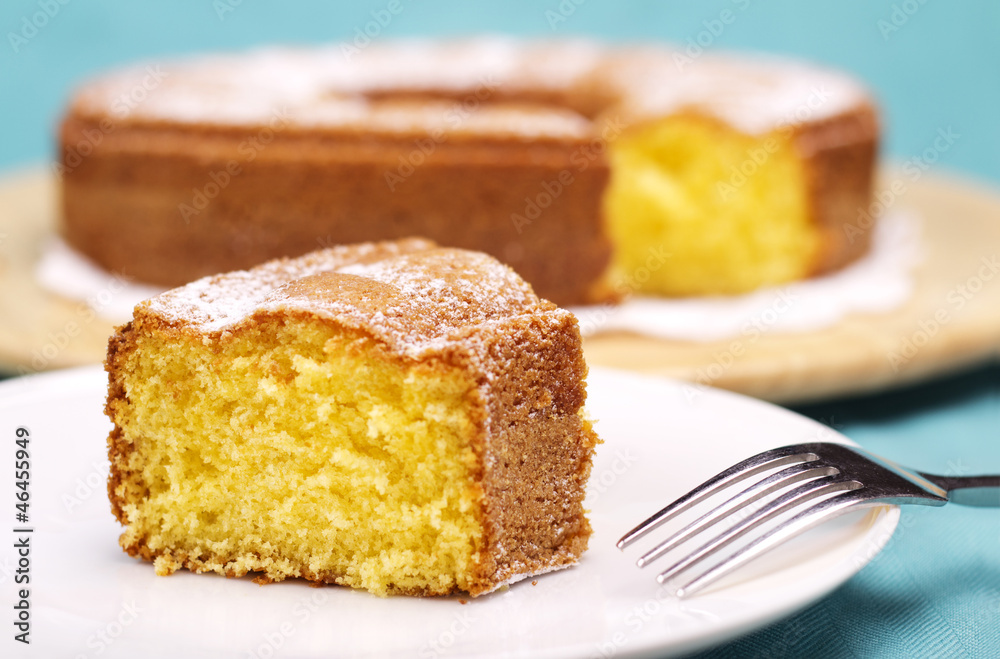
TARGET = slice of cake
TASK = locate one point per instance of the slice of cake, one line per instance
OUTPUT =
(395, 417)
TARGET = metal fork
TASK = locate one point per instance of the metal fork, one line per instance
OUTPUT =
(836, 478)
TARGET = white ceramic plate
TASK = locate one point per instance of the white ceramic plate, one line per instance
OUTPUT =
(89, 599)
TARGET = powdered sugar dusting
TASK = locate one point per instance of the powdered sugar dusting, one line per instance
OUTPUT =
(411, 294)
(326, 88)
(481, 81)
(752, 93)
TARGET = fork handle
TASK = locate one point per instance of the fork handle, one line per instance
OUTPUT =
(981, 491)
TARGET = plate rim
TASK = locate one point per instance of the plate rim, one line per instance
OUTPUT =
(881, 522)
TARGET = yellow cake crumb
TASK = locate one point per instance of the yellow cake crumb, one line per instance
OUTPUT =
(291, 412)
(728, 211)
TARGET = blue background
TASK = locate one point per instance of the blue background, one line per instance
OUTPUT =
(938, 69)
(935, 590)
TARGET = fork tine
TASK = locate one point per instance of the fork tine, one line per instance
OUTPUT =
(827, 509)
(797, 473)
(784, 503)
(750, 467)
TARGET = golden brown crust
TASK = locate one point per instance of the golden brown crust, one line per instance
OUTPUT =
(840, 156)
(301, 194)
(521, 177)
(119, 344)
(465, 312)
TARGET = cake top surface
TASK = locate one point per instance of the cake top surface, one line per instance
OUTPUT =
(486, 86)
(411, 294)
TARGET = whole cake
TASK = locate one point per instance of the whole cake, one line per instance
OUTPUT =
(593, 171)
(396, 417)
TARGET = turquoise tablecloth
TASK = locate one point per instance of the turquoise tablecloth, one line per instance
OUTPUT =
(935, 590)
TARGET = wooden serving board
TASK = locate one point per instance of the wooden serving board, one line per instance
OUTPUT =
(951, 322)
